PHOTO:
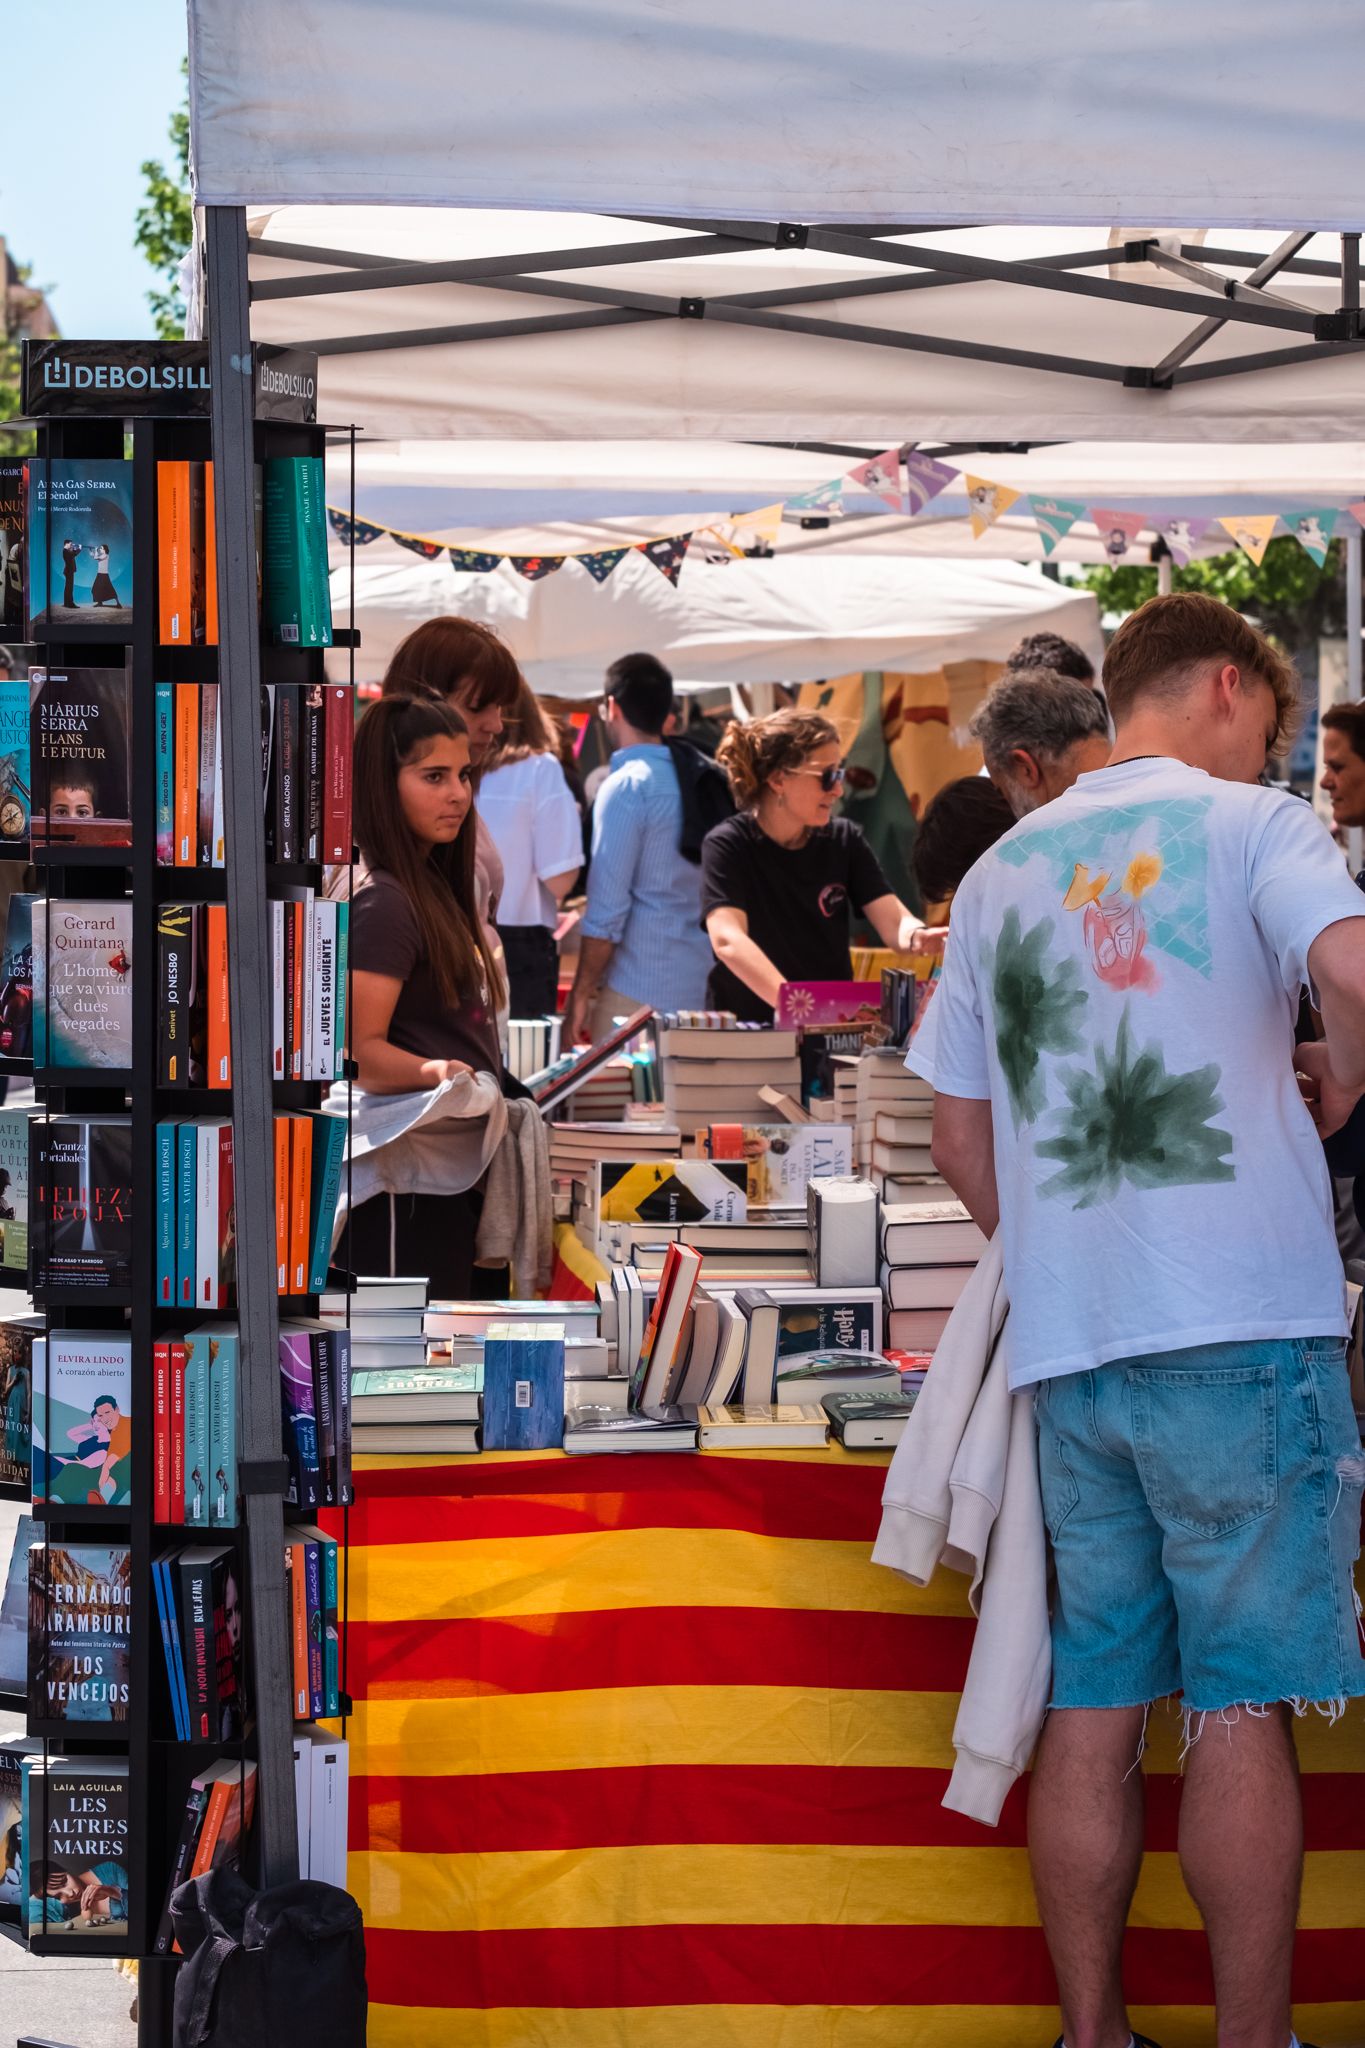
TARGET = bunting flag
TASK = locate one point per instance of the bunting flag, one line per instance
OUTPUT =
(470, 561)
(667, 555)
(987, 502)
(1118, 530)
(707, 546)
(533, 567)
(600, 565)
(429, 550)
(1357, 511)
(1313, 531)
(1182, 537)
(352, 532)
(743, 533)
(1055, 518)
(828, 498)
(924, 479)
(1251, 531)
(882, 478)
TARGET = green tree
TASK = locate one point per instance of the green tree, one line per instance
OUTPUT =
(11, 374)
(164, 225)
(1288, 596)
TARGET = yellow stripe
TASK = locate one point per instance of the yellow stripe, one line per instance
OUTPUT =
(806, 2026)
(624, 1569)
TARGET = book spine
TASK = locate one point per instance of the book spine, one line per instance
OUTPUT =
(197, 1465)
(165, 1215)
(300, 982)
(208, 741)
(215, 1813)
(210, 559)
(216, 991)
(312, 1565)
(277, 988)
(322, 1047)
(300, 1192)
(329, 1138)
(225, 1232)
(322, 1408)
(161, 1431)
(174, 986)
(206, 1217)
(310, 807)
(200, 1650)
(173, 553)
(218, 858)
(186, 775)
(331, 1644)
(301, 1429)
(223, 1446)
(164, 713)
(168, 1652)
(283, 1147)
(339, 1345)
(178, 1357)
(186, 1248)
(287, 767)
(336, 804)
(191, 1822)
(343, 957)
(298, 1619)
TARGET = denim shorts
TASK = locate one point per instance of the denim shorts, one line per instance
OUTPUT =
(1204, 1510)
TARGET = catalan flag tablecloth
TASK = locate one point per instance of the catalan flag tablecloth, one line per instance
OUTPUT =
(647, 1754)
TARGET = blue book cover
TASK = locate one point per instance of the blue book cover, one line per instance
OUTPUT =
(331, 1647)
(223, 1349)
(165, 1215)
(165, 774)
(187, 1198)
(340, 984)
(16, 785)
(523, 1387)
(168, 1590)
(181, 1725)
(80, 543)
(197, 1429)
(329, 1150)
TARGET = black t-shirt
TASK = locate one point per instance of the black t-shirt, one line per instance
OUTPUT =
(797, 899)
(387, 939)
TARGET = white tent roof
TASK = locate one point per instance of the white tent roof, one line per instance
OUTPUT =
(1228, 112)
(782, 620)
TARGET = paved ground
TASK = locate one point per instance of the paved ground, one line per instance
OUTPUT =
(83, 2004)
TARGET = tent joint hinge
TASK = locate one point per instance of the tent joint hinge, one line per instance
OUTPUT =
(1140, 377)
(1136, 252)
(1346, 324)
(691, 309)
(791, 235)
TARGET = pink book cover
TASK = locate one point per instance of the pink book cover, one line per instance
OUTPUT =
(829, 1005)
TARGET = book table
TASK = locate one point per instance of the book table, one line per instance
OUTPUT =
(646, 1753)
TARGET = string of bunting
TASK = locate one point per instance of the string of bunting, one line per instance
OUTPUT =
(905, 481)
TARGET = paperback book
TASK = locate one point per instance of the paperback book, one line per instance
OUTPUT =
(82, 983)
(83, 1418)
(80, 1203)
(80, 544)
(79, 1609)
(17, 1334)
(13, 521)
(672, 1191)
(298, 607)
(16, 979)
(780, 1160)
(16, 782)
(14, 1167)
(14, 1755)
(79, 728)
(14, 1612)
(75, 1825)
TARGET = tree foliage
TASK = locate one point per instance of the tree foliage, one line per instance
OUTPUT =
(11, 377)
(164, 225)
(1289, 596)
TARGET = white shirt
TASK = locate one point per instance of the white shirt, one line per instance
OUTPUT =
(533, 821)
(1121, 984)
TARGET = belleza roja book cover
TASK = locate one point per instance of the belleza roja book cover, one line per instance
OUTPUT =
(80, 1202)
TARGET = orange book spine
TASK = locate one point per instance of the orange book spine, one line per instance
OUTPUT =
(220, 1046)
(186, 775)
(299, 1632)
(214, 1814)
(282, 1153)
(210, 561)
(300, 1190)
(173, 544)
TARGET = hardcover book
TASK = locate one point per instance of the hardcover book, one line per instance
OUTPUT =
(781, 1159)
(16, 979)
(75, 1867)
(829, 1005)
(83, 983)
(671, 1191)
(14, 1609)
(844, 1320)
(523, 1377)
(80, 1201)
(83, 1418)
(13, 520)
(14, 1754)
(79, 1608)
(14, 1162)
(15, 774)
(298, 607)
(80, 544)
(79, 745)
(17, 1334)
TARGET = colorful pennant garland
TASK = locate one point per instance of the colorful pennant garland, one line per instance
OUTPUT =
(1313, 531)
(1251, 531)
(534, 567)
(472, 562)
(743, 533)
(924, 479)
(667, 554)
(1182, 537)
(600, 565)
(1118, 530)
(353, 532)
(429, 550)
(827, 498)
(987, 502)
(881, 477)
(1054, 518)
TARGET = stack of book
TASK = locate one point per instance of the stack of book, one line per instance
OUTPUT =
(532, 1045)
(576, 1149)
(306, 732)
(929, 1251)
(196, 1245)
(385, 1320)
(215, 1821)
(895, 1124)
(715, 1073)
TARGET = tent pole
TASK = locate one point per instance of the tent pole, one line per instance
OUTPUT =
(239, 666)
(1163, 575)
(1354, 537)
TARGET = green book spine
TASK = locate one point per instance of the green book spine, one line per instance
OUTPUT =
(223, 1353)
(331, 1644)
(339, 986)
(298, 610)
(198, 1429)
(329, 1132)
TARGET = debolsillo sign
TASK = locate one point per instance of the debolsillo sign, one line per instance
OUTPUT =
(158, 379)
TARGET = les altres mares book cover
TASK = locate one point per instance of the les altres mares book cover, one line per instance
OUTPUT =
(79, 752)
(80, 543)
(75, 1826)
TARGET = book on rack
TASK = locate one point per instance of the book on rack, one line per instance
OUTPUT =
(81, 1201)
(657, 1372)
(16, 779)
(930, 1233)
(308, 936)
(15, 1126)
(306, 773)
(312, 1583)
(13, 527)
(82, 967)
(829, 1005)
(868, 1419)
(780, 1159)
(80, 544)
(523, 1386)
(185, 569)
(195, 1222)
(321, 1804)
(14, 1610)
(14, 1754)
(297, 597)
(199, 1604)
(761, 1427)
(76, 1826)
(16, 979)
(671, 1191)
(79, 726)
(79, 1648)
(17, 1337)
(215, 1822)
(82, 1417)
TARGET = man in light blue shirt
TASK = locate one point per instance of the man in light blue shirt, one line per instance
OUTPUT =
(643, 920)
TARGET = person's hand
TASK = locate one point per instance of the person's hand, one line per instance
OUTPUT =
(95, 1902)
(576, 1013)
(1329, 1104)
(929, 939)
(434, 1072)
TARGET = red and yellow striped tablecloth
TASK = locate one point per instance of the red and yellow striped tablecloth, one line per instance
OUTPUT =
(647, 1754)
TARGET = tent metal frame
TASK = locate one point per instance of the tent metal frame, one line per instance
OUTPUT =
(1198, 288)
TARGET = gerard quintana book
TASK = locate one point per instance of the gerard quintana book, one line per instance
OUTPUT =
(80, 1201)
(78, 738)
(75, 1861)
(83, 982)
(79, 1608)
(80, 543)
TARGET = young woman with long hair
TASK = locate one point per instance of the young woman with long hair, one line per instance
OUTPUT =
(426, 987)
(782, 878)
(526, 805)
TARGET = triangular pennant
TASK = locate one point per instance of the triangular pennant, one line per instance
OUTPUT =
(533, 567)
(1118, 530)
(881, 476)
(827, 498)
(429, 550)
(1251, 531)
(986, 502)
(1357, 511)
(1313, 531)
(600, 565)
(472, 561)
(1183, 536)
(352, 532)
(667, 555)
(743, 533)
(1055, 518)
(924, 479)
(709, 546)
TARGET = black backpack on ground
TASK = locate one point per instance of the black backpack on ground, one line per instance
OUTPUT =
(706, 798)
(287, 1964)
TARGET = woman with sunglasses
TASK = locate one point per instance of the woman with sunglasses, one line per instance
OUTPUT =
(783, 878)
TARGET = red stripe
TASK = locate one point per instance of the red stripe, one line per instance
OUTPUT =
(763, 1803)
(552, 1497)
(662, 1646)
(806, 1965)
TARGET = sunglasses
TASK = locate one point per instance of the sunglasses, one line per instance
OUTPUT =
(830, 778)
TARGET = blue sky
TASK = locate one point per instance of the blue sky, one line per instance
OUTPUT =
(92, 88)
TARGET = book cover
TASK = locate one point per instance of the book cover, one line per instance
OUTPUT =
(338, 731)
(79, 727)
(166, 1141)
(16, 979)
(179, 1354)
(80, 543)
(216, 993)
(339, 1343)
(164, 717)
(186, 776)
(197, 1429)
(187, 1213)
(13, 526)
(342, 964)
(79, 1608)
(179, 553)
(14, 1754)
(191, 1821)
(208, 746)
(14, 1608)
(17, 1335)
(523, 1373)
(671, 1191)
(212, 1642)
(849, 1322)
(829, 1005)
(175, 989)
(81, 1201)
(223, 1350)
(161, 1431)
(311, 736)
(15, 770)
(83, 982)
(76, 1824)
(14, 1166)
(327, 1156)
(780, 1160)
(298, 611)
(227, 1817)
(83, 1418)
(300, 1418)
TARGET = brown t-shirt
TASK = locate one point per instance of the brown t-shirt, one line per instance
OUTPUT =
(387, 939)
